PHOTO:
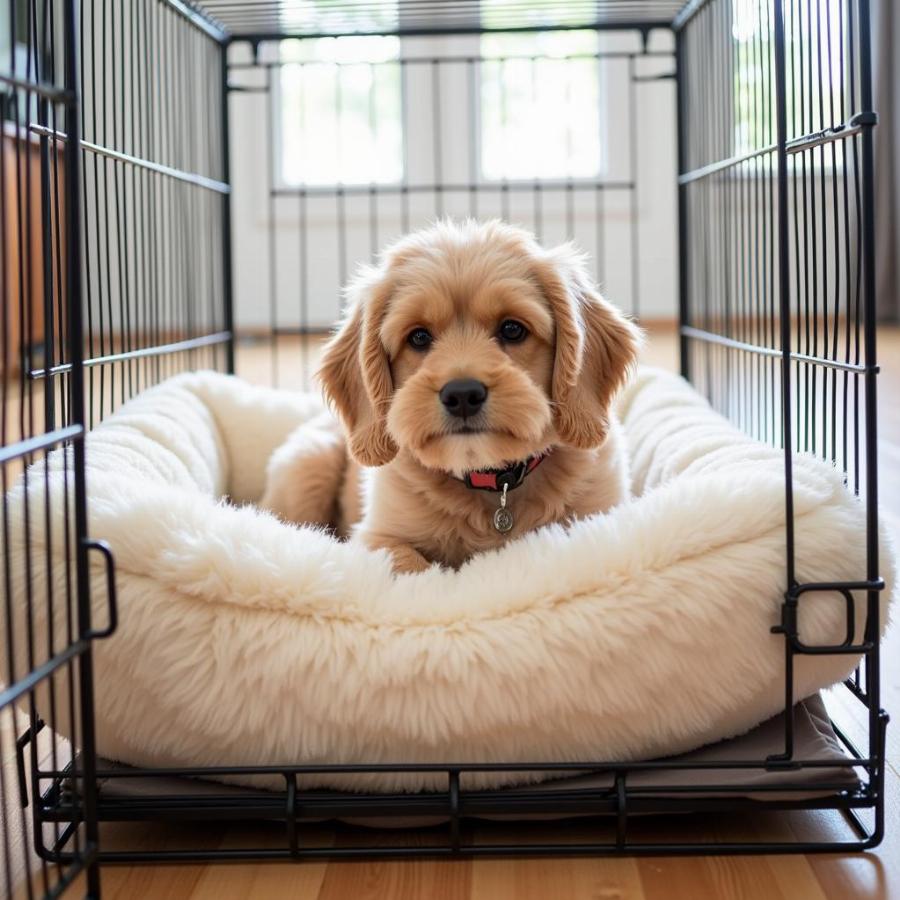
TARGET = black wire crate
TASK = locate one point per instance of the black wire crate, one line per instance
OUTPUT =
(128, 235)
(43, 678)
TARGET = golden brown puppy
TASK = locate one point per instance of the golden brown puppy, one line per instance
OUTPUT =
(470, 359)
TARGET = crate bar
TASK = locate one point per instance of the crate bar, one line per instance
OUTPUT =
(210, 184)
(867, 252)
(271, 237)
(479, 851)
(601, 848)
(721, 165)
(227, 261)
(24, 685)
(497, 187)
(39, 442)
(198, 20)
(207, 340)
(661, 799)
(829, 135)
(687, 13)
(469, 58)
(684, 301)
(633, 197)
(416, 8)
(711, 337)
(318, 805)
(260, 37)
(592, 767)
(797, 145)
(784, 296)
(47, 91)
(72, 157)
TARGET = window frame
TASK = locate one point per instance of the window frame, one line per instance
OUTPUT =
(413, 155)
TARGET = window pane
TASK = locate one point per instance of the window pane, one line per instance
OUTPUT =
(341, 118)
(540, 106)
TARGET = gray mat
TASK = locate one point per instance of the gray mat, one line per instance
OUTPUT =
(814, 739)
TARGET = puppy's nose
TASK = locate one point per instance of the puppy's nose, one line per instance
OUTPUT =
(463, 396)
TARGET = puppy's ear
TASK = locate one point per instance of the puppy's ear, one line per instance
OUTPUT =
(355, 373)
(596, 347)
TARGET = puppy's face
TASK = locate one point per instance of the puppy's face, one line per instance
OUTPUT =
(470, 344)
(472, 347)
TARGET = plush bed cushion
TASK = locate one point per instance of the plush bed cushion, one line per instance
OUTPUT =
(642, 633)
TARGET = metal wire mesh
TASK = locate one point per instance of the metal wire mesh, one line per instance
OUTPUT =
(777, 266)
(730, 185)
(154, 199)
(278, 18)
(46, 674)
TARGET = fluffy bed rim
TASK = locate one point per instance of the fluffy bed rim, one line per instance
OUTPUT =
(637, 634)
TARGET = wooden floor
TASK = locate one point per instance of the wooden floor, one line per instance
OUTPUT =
(873, 876)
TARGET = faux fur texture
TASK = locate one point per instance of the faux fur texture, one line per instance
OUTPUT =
(635, 634)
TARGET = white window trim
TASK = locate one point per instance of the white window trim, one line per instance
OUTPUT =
(417, 155)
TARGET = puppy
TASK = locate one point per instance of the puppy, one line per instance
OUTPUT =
(474, 377)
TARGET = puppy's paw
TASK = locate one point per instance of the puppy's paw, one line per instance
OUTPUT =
(408, 560)
(405, 559)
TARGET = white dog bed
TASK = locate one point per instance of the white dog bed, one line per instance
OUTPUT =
(637, 634)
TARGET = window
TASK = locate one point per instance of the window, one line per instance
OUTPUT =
(340, 111)
(540, 105)
(341, 114)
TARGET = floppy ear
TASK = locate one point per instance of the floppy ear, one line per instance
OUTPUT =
(355, 373)
(596, 347)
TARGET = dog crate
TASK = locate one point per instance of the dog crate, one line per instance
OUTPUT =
(186, 185)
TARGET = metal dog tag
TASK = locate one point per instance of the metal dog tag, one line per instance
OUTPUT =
(503, 518)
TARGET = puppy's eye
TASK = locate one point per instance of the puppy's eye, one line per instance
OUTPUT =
(419, 339)
(511, 331)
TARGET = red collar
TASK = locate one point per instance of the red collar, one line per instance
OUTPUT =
(496, 479)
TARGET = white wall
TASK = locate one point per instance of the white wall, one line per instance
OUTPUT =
(656, 211)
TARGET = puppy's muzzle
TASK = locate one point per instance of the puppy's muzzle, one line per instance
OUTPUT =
(463, 397)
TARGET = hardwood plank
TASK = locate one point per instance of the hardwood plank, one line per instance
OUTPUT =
(682, 878)
(258, 882)
(733, 877)
(400, 879)
(610, 878)
(254, 881)
(123, 882)
(536, 879)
